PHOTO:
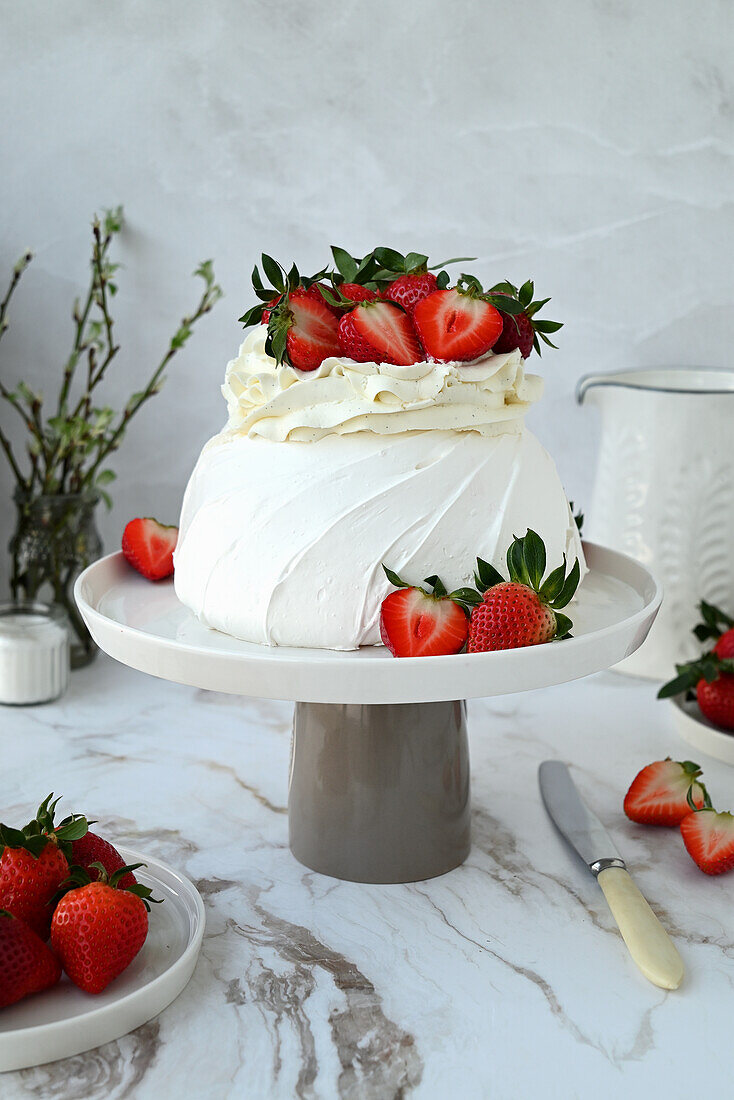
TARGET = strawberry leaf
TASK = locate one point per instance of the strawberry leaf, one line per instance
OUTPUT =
(563, 627)
(569, 587)
(395, 579)
(274, 272)
(346, 265)
(486, 575)
(534, 552)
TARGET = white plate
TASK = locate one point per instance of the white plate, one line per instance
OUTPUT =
(143, 625)
(702, 734)
(64, 1021)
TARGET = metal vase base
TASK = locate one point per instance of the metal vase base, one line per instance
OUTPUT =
(380, 793)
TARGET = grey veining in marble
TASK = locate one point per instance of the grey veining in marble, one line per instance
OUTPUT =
(505, 978)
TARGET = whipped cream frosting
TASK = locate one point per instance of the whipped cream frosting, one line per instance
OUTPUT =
(283, 544)
(489, 396)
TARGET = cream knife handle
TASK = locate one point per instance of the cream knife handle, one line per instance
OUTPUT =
(647, 941)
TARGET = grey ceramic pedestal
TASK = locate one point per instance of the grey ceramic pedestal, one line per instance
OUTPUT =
(380, 793)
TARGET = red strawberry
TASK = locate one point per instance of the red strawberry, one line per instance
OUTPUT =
(379, 332)
(148, 545)
(33, 865)
(511, 615)
(417, 623)
(716, 700)
(520, 328)
(524, 610)
(456, 325)
(93, 849)
(517, 332)
(709, 839)
(310, 327)
(27, 964)
(408, 290)
(313, 292)
(658, 794)
(98, 929)
(724, 648)
(712, 678)
(356, 293)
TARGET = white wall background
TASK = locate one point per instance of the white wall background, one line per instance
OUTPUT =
(587, 143)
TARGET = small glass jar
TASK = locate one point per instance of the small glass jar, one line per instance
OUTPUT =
(34, 652)
(54, 540)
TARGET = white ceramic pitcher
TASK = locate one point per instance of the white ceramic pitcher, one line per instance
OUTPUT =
(664, 493)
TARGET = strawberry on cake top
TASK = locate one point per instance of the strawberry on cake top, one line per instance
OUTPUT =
(375, 414)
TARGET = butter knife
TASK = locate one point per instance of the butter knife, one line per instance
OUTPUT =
(647, 941)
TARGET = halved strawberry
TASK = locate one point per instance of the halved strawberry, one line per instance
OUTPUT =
(310, 328)
(456, 324)
(408, 290)
(709, 840)
(148, 545)
(418, 623)
(379, 332)
(659, 793)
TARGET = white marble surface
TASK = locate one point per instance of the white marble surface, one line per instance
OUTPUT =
(505, 978)
(589, 146)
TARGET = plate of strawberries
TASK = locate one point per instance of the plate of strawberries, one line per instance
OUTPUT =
(94, 940)
(702, 690)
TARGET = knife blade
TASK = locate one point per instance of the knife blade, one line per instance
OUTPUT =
(647, 941)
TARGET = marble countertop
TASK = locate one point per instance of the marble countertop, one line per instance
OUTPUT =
(504, 978)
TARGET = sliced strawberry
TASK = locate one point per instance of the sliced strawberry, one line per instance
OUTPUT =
(408, 290)
(312, 330)
(456, 325)
(658, 794)
(148, 545)
(415, 623)
(379, 332)
(709, 839)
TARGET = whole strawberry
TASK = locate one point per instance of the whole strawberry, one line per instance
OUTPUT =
(99, 927)
(711, 677)
(525, 610)
(523, 330)
(27, 964)
(91, 849)
(408, 290)
(34, 863)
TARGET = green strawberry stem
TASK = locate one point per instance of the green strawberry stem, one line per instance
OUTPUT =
(79, 876)
(708, 667)
(715, 622)
(34, 836)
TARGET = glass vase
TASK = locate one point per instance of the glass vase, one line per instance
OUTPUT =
(56, 538)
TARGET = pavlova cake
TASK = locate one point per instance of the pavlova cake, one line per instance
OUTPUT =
(376, 417)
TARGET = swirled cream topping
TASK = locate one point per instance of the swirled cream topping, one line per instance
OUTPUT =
(490, 395)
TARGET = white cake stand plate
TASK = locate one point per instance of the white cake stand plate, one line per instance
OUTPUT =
(379, 787)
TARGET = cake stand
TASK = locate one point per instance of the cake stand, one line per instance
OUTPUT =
(379, 779)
